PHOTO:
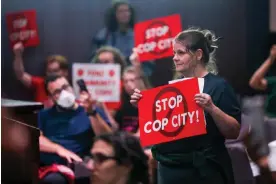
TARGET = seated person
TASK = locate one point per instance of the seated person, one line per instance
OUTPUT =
(118, 158)
(66, 128)
(111, 55)
(127, 115)
(99, 107)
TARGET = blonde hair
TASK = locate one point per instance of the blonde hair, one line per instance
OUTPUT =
(145, 81)
(61, 60)
(204, 39)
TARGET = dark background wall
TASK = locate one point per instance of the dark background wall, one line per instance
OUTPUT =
(67, 26)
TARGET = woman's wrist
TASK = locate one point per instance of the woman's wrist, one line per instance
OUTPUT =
(91, 111)
(272, 59)
(212, 109)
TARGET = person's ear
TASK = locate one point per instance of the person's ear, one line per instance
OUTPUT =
(198, 54)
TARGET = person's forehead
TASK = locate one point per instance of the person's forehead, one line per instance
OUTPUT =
(179, 46)
(106, 54)
(58, 83)
(128, 75)
(123, 7)
(53, 64)
(102, 147)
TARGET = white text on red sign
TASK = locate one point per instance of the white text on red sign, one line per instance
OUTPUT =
(20, 23)
(23, 35)
(156, 32)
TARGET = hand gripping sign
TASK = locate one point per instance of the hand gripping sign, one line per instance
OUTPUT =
(153, 38)
(169, 113)
(22, 27)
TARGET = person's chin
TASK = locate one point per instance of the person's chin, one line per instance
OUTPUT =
(179, 69)
(94, 179)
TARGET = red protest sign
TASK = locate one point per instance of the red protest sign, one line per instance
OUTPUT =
(169, 113)
(153, 38)
(22, 27)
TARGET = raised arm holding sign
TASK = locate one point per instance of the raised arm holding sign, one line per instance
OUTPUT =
(172, 116)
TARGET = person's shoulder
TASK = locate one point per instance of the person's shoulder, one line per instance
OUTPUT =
(37, 79)
(46, 112)
(217, 84)
(80, 109)
(216, 80)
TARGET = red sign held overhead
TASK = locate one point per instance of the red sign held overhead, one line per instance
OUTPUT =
(169, 113)
(22, 27)
(153, 38)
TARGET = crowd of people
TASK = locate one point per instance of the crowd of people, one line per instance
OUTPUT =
(104, 136)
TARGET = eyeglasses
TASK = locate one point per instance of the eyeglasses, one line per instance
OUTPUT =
(99, 158)
(58, 91)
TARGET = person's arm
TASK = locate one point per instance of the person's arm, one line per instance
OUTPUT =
(18, 66)
(99, 126)
(112, 121)
(258, 81)
(226, 114)
(228, 126)
(134, 59)
(45, 145)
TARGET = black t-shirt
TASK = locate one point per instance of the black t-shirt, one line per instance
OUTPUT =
(223, 97)
(127, 116)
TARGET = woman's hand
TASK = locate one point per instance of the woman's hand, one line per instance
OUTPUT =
(205, 101)
(18, 49)
(134, 58)
(135, 97)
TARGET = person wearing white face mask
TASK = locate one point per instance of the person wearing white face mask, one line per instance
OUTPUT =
(66, 128)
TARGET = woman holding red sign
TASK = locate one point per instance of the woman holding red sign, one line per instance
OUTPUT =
(201, 159)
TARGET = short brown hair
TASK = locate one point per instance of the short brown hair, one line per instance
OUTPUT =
(61, 60)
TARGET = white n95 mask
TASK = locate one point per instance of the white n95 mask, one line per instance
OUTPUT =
(66, 99)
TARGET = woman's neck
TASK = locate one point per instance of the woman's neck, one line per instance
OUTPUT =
(199, 72)
(122, 180)
(123, 27)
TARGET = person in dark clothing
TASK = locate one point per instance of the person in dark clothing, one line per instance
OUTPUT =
(201, 159)
(118, 158)
(118, 32)
(257, 142)
(127, 115)
(66, 128)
